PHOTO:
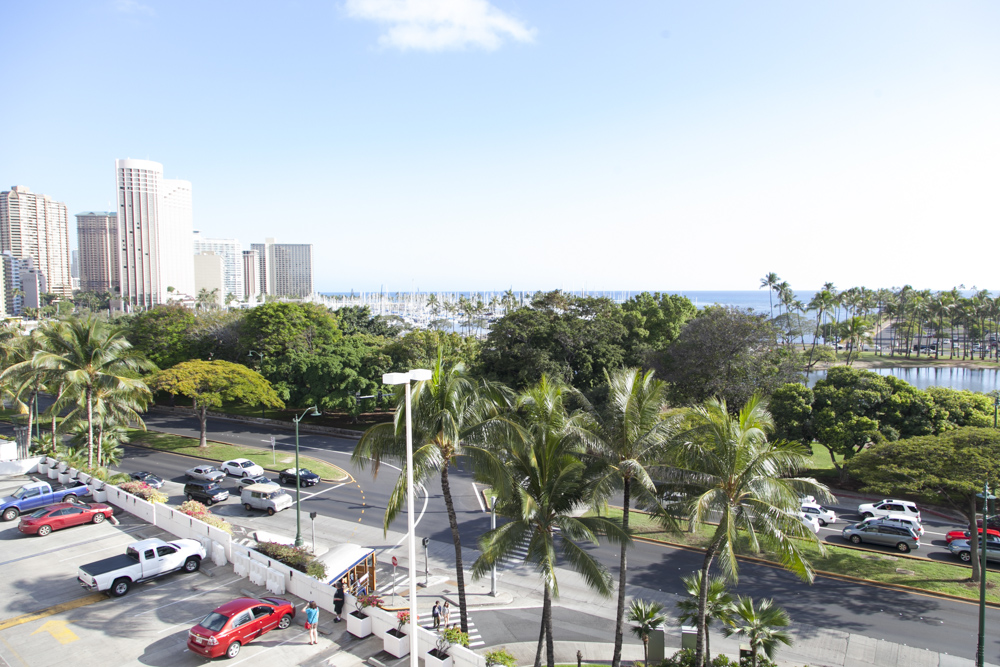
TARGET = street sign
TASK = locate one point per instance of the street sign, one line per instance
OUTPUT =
(274, 457)
(394, 562)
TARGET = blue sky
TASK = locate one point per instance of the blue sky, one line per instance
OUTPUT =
(466, 144)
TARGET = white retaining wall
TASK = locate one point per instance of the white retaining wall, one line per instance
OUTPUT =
(20, 466)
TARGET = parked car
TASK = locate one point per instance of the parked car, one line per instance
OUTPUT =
(259, 479)
(147, 477)
(206, 473)
(39, 494)
(228, 628)
(141, 561)
(63, 515)
(887, 507)
(822, 514)
(267, 497)
(903, 539)
(242, 468)
(809, 520)
(991, 535)
(306, 477)
(205, 492)
(961, 549)
(898, 520)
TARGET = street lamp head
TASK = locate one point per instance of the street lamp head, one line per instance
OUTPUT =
(395, 378)
(420, 374)
(315, 412)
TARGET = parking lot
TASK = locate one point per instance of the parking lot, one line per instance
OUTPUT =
(47, 618)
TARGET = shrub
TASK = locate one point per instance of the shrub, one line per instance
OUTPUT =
(370, 600)
(451, 636)
(297, 558)
(500, 658)
(685, 658)
(144, 491)
(197, 510)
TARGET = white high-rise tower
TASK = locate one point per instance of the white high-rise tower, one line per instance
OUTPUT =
(33, 226)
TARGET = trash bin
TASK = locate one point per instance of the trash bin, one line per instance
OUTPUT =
(745, 651)
(656, 647)
(689, 637)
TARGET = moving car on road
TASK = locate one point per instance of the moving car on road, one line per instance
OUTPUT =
(810, 520)
(306, 477)
(903, 539)
(897, 520)
(228, 628)
(39, 494)
(63, 515)
(242, 468)
(992, 535)
(149, 478)
(205, 473)
(267, 497)
(258, 479)
(887, 507)
(205, 492)
(141, 561)
(961, 549)
(822, 514)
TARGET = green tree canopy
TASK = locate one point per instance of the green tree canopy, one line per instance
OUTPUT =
(162, 334)
(209, 384)
(359, 319)
(419, 349)
(654, 321)
(277, 328)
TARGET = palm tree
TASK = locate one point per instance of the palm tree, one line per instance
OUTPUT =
(627, 436)
(746, 486)
(770, 281)
(645, 618)
(718, 604)
(91, 356)
(446, 411)
(760, 625)
(543, 481)
(21, 378)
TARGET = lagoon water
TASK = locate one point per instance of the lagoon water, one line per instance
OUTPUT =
(981, 380)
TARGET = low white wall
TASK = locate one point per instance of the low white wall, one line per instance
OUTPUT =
(20, 466)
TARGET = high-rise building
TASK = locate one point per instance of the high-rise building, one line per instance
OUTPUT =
(251, 274)
(33, 284)
(99, 261)
(32, 225)
(12, 283)
(209, 275)
(232, 262)
(74, 264)
(285, 268)
(155, 226)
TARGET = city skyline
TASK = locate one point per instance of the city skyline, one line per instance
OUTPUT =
(539, 146)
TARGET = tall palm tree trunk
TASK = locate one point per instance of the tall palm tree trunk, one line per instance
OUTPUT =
(90, 426)
(550, 653)
(541, 631)
(616, 658)
(453, 522)
(645, 650)
(701, 656)
(31, 414)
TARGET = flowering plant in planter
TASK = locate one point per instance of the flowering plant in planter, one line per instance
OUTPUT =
(370, 600)
(402, 618)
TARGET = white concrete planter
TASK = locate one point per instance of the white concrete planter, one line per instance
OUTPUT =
(73, 473)
(84, 477)
(100, 496)
(62, 467)
(53, 473)
(396, 645)
(43, 467)
(64, 478)
(359, 627)
(52, 463)
(433, 659)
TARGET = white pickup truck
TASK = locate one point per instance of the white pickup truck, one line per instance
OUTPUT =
(142, 560)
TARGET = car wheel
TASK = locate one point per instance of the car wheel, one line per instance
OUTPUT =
(856, 539)
(867, 515)
(965, 556)
(10, 514)
(44, 530)
(903, 547)
(246, 474)
(208, 502)
(284, 622)
(247, 507)
(120, 587)
(192, 564)
(270, 511)
(822, 523)
(233, 650)
(99, 517)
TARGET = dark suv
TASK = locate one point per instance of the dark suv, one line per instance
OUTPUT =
(206, 492)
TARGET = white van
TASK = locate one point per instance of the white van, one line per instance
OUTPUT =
(265, 497)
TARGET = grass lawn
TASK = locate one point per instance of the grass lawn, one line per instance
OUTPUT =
(221, 452)
(820, 459)
(928, 575)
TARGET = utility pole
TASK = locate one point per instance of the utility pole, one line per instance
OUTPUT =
(981, 648)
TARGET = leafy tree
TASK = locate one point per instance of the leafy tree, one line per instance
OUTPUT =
(560, 335)
(541, 482)
(359, 319)
(277, 328)
(218, 334)
(729, 353)
(791, 407)
(949, 468)
(162, 334)
(718, 604)
(209, 384)
(645, 617)
(745, 483)
(447, 411)
(419, 349)
(962, 408)
(762, 625)
(21, 378)
(654, 321)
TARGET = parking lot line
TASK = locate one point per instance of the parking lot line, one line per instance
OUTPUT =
(251, 657)
(54, 609)
(198, 594)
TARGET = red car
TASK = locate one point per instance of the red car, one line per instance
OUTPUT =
(63, 515)
(236, 623)
(964, 535)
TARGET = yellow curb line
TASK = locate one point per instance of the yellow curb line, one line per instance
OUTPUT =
(51, 611)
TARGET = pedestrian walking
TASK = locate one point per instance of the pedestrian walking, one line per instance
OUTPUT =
(436, 613)
(312, 621)
(338, 601)
(445, 614)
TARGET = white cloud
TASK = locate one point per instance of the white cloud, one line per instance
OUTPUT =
(133, 7)
(439, 25)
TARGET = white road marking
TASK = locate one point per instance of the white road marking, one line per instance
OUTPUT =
(416, 522)
(475, 492)
(331, 488)
(208, 590)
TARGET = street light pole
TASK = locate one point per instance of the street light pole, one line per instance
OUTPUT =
(404, 379)
(261, 355)
(298, 482)
(493, 526)
(981, 648)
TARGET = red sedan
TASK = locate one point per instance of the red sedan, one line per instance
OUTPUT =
(63, 515)
(228, 628)
(964, 535)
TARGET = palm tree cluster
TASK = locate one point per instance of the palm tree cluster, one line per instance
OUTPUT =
(93, 375)
(548, 456)
(912, 322)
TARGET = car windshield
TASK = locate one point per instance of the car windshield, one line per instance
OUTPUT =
(18, 494)
(247, 464)
(214, 621)
(39, 514)
(305, 471)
